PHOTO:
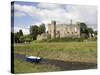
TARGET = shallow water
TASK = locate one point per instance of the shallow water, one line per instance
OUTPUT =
(63, 65)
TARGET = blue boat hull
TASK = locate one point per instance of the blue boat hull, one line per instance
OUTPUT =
(33, 60)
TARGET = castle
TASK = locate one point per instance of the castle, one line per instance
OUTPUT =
(61, 30)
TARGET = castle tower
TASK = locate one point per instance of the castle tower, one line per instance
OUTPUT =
(49, 29)
(71, 21)
(53, 29)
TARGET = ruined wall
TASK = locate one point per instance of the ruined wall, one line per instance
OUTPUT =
(63, 30)
(42, 36)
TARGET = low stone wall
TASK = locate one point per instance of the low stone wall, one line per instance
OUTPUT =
(42, 36)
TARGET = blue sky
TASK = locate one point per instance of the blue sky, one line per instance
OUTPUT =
(35, 13)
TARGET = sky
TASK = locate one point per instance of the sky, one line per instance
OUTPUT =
(35, 13)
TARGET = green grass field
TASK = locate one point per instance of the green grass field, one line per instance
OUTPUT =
(63, 51)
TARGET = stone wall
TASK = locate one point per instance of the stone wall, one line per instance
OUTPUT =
(42, 36)
(63, 30)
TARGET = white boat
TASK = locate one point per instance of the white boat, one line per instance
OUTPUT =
(33, 59)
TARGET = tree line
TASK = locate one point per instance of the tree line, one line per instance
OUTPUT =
(35, 30)
(86, 32)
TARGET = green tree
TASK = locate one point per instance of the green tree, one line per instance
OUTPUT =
(95, 32)
(28, 38)
(21, 39)
(34, 31)
(90, 31)
(18, 36)
(20, 32)
(83, 28)
(41, 28)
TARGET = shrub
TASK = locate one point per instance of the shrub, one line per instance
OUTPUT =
(65, 39)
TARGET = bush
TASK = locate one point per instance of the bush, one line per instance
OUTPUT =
(84, 36)
(21, 39)
(65, 39)
(28, 38)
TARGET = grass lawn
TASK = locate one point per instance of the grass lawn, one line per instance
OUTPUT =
(64, 51)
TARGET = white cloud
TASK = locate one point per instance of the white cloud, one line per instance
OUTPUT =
(86, 13)
(19, 14)
(45, 12)
(48, 6)
(29, 10)
(25, 30)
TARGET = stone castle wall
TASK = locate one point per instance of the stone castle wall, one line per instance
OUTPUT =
(63, 30)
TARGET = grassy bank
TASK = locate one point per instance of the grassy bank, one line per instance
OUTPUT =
(64, 51)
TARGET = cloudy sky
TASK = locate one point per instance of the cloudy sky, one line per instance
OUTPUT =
(27, 13)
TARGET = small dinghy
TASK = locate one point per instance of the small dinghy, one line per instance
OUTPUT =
(33, 59)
